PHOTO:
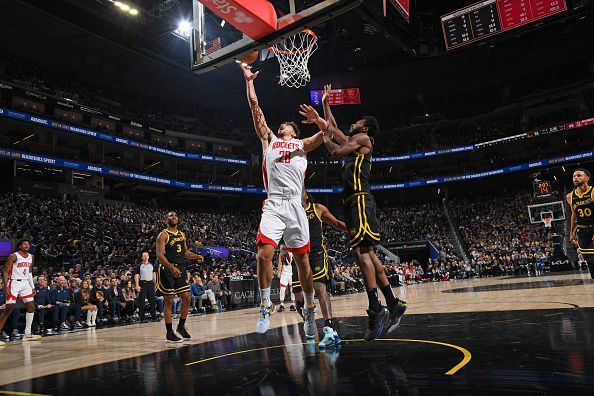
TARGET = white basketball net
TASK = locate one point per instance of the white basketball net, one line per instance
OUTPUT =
(293, 54)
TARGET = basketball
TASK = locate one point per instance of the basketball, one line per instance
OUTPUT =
(251, 58)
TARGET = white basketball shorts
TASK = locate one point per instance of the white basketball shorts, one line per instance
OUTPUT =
(286, 279)
(285, 218)
(19, 289)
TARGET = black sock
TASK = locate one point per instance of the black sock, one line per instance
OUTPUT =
(328, 323)
(169, 327)
(374, 304)
(182, 322)
(389, 295)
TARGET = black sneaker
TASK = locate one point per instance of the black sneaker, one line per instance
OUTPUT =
(172, 337)
(292, 308)
(396, 313)
(281, 308)
(377, 320)
(184, 333)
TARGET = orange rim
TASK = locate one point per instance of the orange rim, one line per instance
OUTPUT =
(308, 31)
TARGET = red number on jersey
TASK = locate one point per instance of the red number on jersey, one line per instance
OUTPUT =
(285, 157)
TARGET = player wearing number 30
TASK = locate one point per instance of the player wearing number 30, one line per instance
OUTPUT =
(581, 200)
(284, 162)
(18, 282)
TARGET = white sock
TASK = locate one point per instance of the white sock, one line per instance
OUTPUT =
(94, 316)
(282, 295)
(28, 322)
(265, 297)
(309, 299)
(89, 316)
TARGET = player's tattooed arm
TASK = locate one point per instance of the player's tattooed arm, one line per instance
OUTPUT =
(329, 218)
(360, 143)
(260, 125)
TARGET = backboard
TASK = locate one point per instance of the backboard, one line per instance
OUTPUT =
(555, 209)
(216, 42)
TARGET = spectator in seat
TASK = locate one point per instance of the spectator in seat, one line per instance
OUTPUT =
(130, 297)
(99, 297)
(61, 300)
(199, 293)
(43, 303)
(116, 300)
(85, 300)
(225, 292)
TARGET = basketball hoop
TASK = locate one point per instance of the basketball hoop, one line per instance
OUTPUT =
(293, 54)
(547, 218)
(547, 221)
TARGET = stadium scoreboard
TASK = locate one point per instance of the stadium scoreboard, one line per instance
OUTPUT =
(489, 17)
(542, 188)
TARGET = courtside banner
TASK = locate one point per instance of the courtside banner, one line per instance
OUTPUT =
(65, 127)
(104, 170)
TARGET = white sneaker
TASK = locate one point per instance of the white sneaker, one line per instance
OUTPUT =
(330, 338)
(309, 322)
(31, 337)
(264, 319)
(2, 344)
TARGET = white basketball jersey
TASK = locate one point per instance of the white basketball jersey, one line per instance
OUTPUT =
(287, 264)
(22, 266)
(283, 166)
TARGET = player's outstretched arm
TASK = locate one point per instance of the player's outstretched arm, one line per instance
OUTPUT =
(355, 143)
(260, 125)
(339, 136)
(329, 218)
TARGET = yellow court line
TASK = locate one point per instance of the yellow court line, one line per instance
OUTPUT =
(4, 392)
(452, 371)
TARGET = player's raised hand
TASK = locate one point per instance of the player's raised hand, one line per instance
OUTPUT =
(248, 74)
(309, 113)
(200, 259)
(326, 94)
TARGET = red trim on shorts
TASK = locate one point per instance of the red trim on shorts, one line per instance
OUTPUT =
(262, 239)
(301, 250)
(29, 296)
(281, 285)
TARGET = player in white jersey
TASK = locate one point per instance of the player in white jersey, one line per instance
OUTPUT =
(18, 283)
(284, 161)
(285, 271)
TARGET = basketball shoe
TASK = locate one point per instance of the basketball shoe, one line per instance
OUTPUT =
(377, 320)
(331, 338)
(31, 337)
(264, 319)
(396, 313)
(309, 322)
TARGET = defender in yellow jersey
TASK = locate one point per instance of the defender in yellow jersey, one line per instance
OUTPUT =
(359, 210)
(172, 279)
(317, 214)
(581, 201)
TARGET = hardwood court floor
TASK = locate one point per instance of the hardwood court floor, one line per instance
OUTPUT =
(482, 336)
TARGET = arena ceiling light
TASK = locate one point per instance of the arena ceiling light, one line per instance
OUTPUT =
(126, 8)
(184, 30)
